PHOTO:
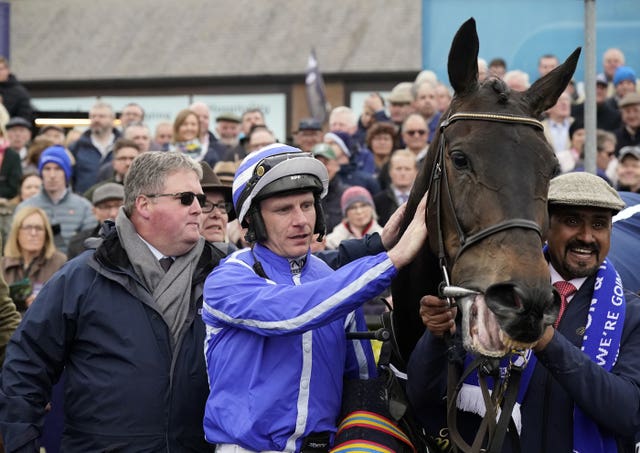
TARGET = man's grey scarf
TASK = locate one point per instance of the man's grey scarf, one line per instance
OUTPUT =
(170, 291)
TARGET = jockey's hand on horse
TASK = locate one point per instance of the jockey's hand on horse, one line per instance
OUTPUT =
(410, 244)
(437, 316)
(391, 231)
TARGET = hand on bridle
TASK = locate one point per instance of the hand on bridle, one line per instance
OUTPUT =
(437, 316)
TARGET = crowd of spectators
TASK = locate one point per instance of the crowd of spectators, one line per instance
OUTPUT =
(60, 188)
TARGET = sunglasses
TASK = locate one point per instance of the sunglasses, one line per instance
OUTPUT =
(416, 132)
(186, 198)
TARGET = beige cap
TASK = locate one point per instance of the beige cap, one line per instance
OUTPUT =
(584, 189)
(401, 93)
(632, 98)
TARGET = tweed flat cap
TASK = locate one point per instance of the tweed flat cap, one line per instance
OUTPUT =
(584, 189)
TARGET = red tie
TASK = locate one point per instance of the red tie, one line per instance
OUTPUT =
(565, 289)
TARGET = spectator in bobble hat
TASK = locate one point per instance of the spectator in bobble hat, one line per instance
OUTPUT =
(68, 212)
(624, 81)
(359, 217)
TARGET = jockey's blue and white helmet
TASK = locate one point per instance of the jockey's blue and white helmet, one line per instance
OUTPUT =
(276, 169)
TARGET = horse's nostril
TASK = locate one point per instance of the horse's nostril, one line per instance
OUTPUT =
(504, 294)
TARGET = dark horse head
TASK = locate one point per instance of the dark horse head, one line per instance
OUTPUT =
(487, 172)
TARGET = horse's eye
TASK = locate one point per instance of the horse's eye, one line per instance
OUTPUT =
(459, 160)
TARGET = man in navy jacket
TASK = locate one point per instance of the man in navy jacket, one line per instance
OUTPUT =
(123, 323)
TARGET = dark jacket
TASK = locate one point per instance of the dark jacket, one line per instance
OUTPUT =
(88, 161)
(16, 99)
(10, 174)
(607, 118)
(351, 176)
(76, 243)
(624, 138)
(331, 203)
(126, 388)
(212, 156)
(610, 399)
(386, 204)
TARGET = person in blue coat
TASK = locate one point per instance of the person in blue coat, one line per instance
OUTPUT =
(580, 390)
(122, 321)
(277, 316)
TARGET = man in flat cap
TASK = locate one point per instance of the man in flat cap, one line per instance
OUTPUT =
(581, 383)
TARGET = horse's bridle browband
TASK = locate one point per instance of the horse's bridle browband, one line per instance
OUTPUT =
(439, 171)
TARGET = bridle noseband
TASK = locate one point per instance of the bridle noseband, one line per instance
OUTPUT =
(439, 172)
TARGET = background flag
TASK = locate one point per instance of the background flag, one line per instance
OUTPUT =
(316, 97)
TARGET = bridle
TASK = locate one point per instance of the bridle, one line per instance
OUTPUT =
(439, 184)
(504, 395)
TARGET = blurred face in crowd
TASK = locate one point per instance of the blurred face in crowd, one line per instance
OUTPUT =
(605, 155)
(4, 71)
(546, 65)
(101, 120)
(227, 131)
(579, 239)
(443, 97)
(140, 135)
(204, 116)
(289, 221)
(577, 141)
(333, 167)
(601, 93)
(53, 178)
(306, 139)
(612, 60)
(189, 128)
(30, 186)
(398, 111)
(18, 137)
(561, 109)
(382, 145)
(342, 122)
(359, 215)
(625, 87)
(250, 119)
(32, 234)
(631, 116)
(214, 224)
(56, 136)
(629, 173)
(403, 171)
(107, 209)
(259, 139)
(366, 117)
(123, 159)
(415, 133)
(164, 133)
(425, 103)
(131, 114)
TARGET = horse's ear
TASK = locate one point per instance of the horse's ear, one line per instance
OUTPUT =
(544, 93)
(463, 59)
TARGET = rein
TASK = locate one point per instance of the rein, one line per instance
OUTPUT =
(504, 395)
